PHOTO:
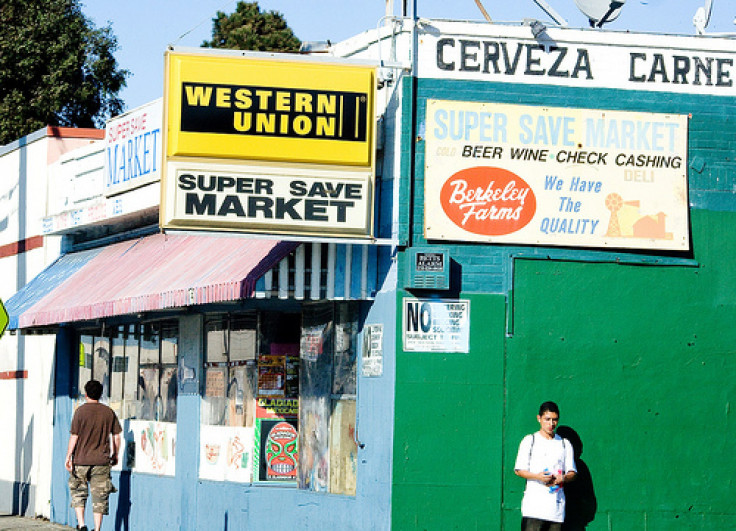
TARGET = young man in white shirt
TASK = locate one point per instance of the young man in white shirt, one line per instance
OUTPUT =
(546, 461)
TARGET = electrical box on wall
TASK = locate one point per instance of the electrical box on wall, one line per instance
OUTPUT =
(428, 268)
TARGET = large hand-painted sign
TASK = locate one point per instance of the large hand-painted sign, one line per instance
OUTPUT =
(266, 144)
(555, 176)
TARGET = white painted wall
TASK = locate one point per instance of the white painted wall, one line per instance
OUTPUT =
(26, 413)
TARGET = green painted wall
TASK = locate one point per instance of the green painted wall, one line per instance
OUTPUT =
(640, 354)
(641, 361)
(448, 437)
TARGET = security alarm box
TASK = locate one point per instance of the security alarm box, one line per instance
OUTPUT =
(428, 268)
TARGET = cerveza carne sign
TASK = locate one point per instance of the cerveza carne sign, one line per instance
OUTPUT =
(275, 144)
(579, 58)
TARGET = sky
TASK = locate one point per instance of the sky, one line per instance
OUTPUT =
(144, 28)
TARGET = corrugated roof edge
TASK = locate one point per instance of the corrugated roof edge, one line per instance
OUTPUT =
(75, 132)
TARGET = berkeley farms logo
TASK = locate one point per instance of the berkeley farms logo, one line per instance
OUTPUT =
(488, 201)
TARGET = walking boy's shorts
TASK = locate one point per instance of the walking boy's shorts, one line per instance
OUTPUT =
(97, 478)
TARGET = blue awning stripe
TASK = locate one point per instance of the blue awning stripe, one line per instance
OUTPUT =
(48, 280)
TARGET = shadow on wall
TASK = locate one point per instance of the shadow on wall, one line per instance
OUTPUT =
(126, 454)
(581, 504)
(21, 492)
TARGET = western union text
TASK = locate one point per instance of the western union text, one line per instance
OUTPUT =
(274, 111)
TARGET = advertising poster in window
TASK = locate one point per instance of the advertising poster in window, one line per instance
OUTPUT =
(226, 453)
(314, 462)
(155, 447)
(277, 408)
(343, 448)
(271, 375)
(277, 452)
(520, 174)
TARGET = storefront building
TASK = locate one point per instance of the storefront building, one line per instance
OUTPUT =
(551, 219)
(247, 369)
(572, 206)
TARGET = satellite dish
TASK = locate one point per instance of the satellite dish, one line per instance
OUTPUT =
(702, 17)
(600, 11)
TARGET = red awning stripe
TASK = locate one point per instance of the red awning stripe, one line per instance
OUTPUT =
(159, 272)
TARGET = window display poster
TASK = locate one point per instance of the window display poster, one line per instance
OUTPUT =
(372, 351)
(215, 381)
(155, 444)
(239, 397)
(313, 339)
(314, 462)
(345, 358)
(271, 375)
(343, 448)
(291, 389)
(277, 408)
(148, 382)
(277, 451)
(168, 394)
(226, 453)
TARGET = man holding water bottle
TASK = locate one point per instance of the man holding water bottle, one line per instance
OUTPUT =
(546, 461)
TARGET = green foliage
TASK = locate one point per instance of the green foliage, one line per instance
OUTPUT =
(56, 68)
(250, 29)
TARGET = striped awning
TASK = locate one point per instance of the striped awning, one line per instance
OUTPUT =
(165, 271)
(323, 271)
(157, 272)
(46, 281)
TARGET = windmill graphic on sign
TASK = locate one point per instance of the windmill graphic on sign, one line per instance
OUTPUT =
(614, 202)
(628, 222)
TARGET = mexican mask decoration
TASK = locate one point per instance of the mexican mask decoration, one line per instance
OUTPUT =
(282, 452)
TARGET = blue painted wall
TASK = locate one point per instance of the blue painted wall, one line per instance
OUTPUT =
(184, 502)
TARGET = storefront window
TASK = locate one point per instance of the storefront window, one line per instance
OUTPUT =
(137, 366)
(230, 366)
(131, 355)
(327, 398)
(279, 398)
(277, 411)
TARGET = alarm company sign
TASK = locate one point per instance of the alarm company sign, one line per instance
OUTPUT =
(259, 144)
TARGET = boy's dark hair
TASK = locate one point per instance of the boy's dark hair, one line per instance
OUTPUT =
(93, 389)
(548, 406)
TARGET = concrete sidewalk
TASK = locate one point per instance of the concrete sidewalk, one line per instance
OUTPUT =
(20, 522)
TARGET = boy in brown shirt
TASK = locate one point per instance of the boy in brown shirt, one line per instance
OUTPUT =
(90, 455)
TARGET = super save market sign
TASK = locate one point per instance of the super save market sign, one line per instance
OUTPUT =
(268, 143)
(555, 176)
(133, 147)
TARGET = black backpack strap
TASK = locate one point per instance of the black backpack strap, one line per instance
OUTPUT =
(531, 447)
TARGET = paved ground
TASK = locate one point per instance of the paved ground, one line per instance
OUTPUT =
(18, 522)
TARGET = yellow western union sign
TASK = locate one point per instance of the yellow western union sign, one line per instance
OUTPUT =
(269, 109)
